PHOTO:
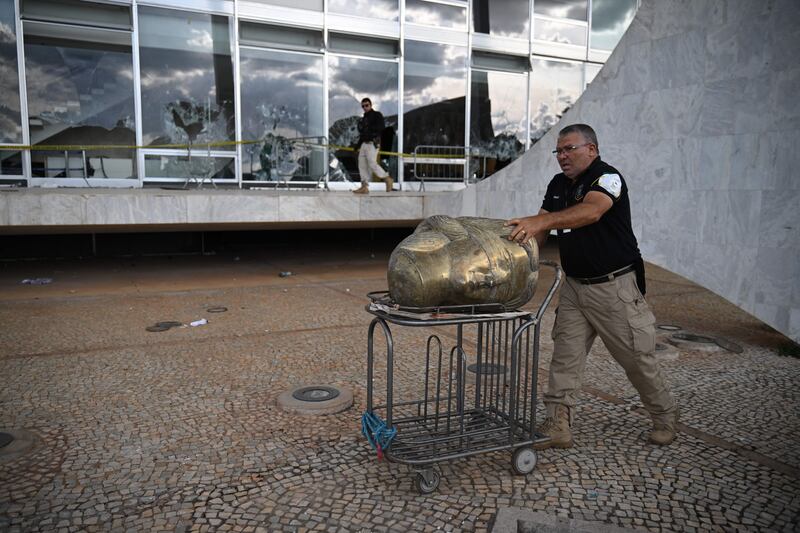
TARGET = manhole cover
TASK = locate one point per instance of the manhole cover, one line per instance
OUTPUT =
(318, 393)
(16, 442)
(668, 327)
(218, 309)
(316, 399)
(169, 324)
(164, 326)
(691, 337)
(487, 369)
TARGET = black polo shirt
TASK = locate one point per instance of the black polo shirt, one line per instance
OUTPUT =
(605, 246)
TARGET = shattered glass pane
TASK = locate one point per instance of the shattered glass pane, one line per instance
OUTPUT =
(187, 78)
(197, 166)
(282, 119)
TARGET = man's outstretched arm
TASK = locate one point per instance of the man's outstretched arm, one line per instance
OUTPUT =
(589, 211)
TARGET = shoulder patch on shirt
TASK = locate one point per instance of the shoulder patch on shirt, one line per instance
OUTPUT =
(611, 183)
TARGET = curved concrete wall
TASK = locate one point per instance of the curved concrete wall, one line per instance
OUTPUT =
(699, 108)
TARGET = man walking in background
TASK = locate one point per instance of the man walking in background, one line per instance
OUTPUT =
(370, 128)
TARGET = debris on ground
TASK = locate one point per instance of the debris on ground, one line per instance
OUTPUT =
(164, 326)
(285, 274)
(201, 322)
(37, 281)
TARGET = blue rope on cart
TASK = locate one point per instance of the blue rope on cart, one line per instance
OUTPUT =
(375, 430)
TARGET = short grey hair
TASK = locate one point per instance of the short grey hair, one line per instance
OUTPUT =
(584, 130)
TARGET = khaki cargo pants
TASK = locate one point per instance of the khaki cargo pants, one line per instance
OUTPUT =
(617, 312)
(368, 163)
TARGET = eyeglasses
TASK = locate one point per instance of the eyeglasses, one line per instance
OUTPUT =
(569, 149)
(365, 105)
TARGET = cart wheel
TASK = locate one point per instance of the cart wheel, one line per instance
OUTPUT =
(524, 460)
(426, 486)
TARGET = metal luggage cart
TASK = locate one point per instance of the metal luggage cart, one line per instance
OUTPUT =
(454, 418)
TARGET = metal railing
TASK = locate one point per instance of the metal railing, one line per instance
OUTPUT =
(448, 164)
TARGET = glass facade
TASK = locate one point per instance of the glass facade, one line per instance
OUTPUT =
(434, 95)
(561, 21)
(10, 117)
(610, 19)
(560, 32)
(555, 86)
(502, 18)
(142, 94)
(431, 13)
(374, 9)
(498, 117)
(562, 9)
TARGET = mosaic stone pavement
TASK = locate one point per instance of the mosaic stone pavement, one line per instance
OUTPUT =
(179, 430)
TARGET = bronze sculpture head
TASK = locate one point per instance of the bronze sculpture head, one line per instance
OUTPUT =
(462, 261)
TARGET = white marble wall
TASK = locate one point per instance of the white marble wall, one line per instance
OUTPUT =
(699, 108)
(40, 209)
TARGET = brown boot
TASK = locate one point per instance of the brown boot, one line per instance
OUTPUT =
(556, 427)
(364, 189)
(664, 430)
(389, 183)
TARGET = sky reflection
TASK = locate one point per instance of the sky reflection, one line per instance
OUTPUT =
(10, 117)
(378, 9)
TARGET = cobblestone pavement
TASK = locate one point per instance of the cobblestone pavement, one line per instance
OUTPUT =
(179, 430)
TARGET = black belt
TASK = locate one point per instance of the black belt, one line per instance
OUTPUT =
(607, 277)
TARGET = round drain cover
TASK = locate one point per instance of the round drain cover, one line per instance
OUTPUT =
(319, 393)
(691, 337)
(316, 400)
(16, 442)
(668, 327)
(169, 324)
(486, 369)
(6, 439)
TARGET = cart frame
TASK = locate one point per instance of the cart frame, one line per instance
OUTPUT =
(446, 424)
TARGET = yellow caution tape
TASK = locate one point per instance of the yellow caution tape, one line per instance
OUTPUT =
(206, 146)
